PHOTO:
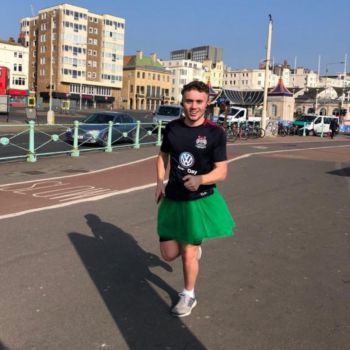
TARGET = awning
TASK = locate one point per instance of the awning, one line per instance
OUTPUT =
(106, 99)
(17, 92)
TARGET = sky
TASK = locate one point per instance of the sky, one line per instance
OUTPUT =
(305, 32)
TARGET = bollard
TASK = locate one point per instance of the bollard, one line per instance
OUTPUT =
(322, 128)
(31, 154)
(109, 137)
(304, 130)
(75, 151)
(159, 134)
(137, 135)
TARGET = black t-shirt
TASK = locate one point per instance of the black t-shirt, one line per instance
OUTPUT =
(193, 150)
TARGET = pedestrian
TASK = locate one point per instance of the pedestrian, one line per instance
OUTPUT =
(333, 126)
(191, 209)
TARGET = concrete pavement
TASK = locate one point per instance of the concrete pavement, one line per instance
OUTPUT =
(88, 275)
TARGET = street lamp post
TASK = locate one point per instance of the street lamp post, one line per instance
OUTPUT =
(51, 113)
(267, 67)
(82, 45)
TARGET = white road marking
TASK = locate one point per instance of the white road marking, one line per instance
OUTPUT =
(138, 188)
(82, 174)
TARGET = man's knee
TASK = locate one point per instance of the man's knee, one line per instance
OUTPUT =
(169, 250)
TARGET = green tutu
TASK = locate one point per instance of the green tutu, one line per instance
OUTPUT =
(194, 221)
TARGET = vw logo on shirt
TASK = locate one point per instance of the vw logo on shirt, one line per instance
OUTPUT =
(186, 159)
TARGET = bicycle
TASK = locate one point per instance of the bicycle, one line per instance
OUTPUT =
(255, 131)
(234, 132)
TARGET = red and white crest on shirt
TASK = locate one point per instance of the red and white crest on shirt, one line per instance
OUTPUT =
(201, 141)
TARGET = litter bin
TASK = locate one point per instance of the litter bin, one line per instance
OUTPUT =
(31, 115)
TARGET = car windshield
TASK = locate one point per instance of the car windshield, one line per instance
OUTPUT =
(169, 111)
(306, 118)
(98, 118)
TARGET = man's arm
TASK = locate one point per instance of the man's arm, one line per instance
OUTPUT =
(162, 164)
(219, 173)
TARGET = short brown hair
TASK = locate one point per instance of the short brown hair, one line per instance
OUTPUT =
(195, 85)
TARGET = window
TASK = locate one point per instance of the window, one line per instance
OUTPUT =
(95, 31)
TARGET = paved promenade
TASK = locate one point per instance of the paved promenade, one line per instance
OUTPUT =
(80, 266)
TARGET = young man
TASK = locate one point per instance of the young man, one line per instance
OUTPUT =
(191, 209)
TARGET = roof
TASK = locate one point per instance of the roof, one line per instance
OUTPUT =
(143, 62)
(280, 90)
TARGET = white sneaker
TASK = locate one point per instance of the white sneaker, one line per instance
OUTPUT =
(184, 306)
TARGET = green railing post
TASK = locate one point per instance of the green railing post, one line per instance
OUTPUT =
(75, 150)
(31, 151)
(159, 134)
(109, 137)
(137, 135)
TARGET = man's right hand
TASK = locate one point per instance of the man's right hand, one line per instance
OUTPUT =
(160, 192)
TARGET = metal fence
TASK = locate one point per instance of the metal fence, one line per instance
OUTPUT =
(30, 141)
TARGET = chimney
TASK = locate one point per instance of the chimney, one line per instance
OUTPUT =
(153, 57)
(139, 54)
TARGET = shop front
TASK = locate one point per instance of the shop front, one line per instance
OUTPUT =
(18, 98)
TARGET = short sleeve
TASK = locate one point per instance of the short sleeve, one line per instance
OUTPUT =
(219, 152)
(165, 147)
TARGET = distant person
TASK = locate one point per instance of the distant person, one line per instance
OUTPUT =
(333, 126)
(191, 208)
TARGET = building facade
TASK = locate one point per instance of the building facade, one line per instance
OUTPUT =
(146, 83)
(14, 57)
(200, 54)
(182, 72)
(75, 54)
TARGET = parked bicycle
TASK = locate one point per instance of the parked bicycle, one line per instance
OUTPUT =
(236, 131)
(255, 131)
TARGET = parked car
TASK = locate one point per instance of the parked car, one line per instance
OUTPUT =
(94, 128)
(167, 113)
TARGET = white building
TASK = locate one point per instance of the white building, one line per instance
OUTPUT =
(83, 50)
(15, 57)
(254, 79)
(182, 73)
(247, 79)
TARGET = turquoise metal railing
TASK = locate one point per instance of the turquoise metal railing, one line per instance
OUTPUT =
(30, 141)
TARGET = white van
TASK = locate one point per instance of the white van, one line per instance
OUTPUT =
(316, 124)
(237, 115)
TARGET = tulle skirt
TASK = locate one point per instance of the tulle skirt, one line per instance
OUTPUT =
(191, 222)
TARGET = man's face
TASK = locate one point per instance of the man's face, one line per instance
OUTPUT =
(195, 104)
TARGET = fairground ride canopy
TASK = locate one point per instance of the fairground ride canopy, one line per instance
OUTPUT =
(244, 98)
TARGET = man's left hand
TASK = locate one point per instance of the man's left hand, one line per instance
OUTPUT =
(192, 182)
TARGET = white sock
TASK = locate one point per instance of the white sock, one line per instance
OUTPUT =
(190, 293)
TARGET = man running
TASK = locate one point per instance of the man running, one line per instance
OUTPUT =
(191, 208)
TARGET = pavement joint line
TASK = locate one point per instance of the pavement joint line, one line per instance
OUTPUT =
(278, 143)
(138, 188)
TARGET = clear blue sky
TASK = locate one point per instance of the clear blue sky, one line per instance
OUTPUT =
(301, 28)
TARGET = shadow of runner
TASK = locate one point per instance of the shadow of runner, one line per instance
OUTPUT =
(120, 270)
(3, 347)
(340, 172)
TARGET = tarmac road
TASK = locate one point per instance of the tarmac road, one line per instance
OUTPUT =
(88, 275)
